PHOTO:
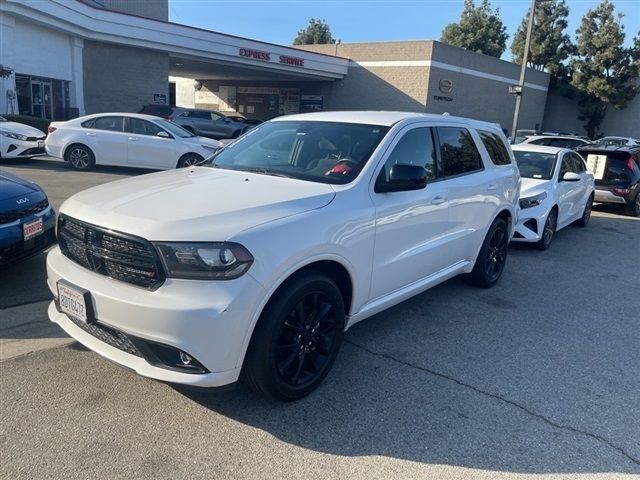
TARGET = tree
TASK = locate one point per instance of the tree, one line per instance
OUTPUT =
(550, 46)
(316, 32)
(604, 71)
(479, 29)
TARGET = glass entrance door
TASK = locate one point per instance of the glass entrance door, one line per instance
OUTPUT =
(41, 104)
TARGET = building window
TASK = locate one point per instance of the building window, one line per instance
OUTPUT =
(43, 97)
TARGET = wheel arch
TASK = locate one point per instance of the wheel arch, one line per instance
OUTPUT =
(72, 144)
(331, 267)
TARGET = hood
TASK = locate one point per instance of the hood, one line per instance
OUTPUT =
(12, 186)
(204, 141)
(533, 186)
(22, 129)
(195, 204)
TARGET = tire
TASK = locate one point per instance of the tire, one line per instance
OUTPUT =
(586, 213)
(634, 207)
(548, 231)
(492, 256)
(189, 160)
(297, 338)
(80, 157)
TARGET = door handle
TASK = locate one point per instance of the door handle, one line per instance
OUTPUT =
(438, 200)
(91, 134)
(491, 187)
(133, 139)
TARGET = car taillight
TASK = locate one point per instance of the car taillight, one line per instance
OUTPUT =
(51, 129)
(621, 191)
(630, 163)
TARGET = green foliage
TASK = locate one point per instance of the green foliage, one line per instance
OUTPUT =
(550, 45)
(479, 29)
(317, 32)
(604, 71)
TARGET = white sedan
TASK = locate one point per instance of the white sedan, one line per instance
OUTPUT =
(557, 190)
(127, 139)
(18, 140)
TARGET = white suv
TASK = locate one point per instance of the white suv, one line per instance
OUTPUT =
(302, 228)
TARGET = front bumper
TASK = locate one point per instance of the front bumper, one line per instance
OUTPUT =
(531, 223)
(14, 249)
(12, 148)
(208, 320)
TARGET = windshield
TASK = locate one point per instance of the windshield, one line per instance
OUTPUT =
(535, 164)
(325, 152)
(175, 129)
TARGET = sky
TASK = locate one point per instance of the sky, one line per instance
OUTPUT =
(278, 21)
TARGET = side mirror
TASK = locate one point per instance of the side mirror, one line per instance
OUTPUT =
(403, 178)
(571, 177)
(163, 134)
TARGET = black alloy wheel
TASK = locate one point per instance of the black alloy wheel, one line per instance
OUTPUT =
(586, 213)
(297, 338)
(634, 207)
(492, 256)
(548, 231)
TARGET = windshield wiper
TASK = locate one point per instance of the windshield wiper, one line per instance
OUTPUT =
(264, 171)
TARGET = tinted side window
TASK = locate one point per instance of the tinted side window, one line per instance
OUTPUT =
(458, 151)
(495, 146)
(113, 124)
(142, 127)
(416, 147)
(578, 163)
(566, 166)
(200, 114)
(540, 141)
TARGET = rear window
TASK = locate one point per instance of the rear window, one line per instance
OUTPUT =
(157, 110)
(609, 168)
(496, 148)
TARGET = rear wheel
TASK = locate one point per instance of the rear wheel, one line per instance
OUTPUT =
(80, 157)
(297, 338)
(634, 207)
(492, 257)
(189, 160)
(586, 213)
(548, 231)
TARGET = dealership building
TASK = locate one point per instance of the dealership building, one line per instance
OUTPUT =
(63, 58)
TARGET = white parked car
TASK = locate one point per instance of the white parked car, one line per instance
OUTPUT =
(560, 141)
(301, 228)
(18, 140)
(557, 190)
(127, 139)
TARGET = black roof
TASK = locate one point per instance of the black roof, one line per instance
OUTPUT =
(632, 149)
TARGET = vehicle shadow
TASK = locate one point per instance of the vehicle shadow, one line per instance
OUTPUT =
(55, 165)
(510, 379)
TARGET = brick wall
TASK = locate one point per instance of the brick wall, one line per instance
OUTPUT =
(122, 79)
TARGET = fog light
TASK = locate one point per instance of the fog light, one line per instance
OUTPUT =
(184, 358)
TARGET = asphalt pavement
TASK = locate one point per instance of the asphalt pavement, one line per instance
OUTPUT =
(535, 378)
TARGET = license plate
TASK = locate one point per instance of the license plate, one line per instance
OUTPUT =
(40, 143)
(74, 301)
(32, 229)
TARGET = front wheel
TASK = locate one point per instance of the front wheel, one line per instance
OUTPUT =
(492, 257)
(297, 338)
(548, 231)
(190, 160)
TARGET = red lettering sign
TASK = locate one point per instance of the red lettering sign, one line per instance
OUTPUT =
(255, 54)
(298, 62)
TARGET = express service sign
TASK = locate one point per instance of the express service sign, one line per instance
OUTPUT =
(269, 57)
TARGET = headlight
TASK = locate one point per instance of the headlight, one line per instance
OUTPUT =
(534, 201)
(210, 148)
(16, 136)
(204, 261)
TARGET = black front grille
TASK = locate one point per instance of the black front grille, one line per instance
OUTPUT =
(25, 249)
(120, 256)
(108, 335)
(13, 215)
(35, 139)
(33, 151)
